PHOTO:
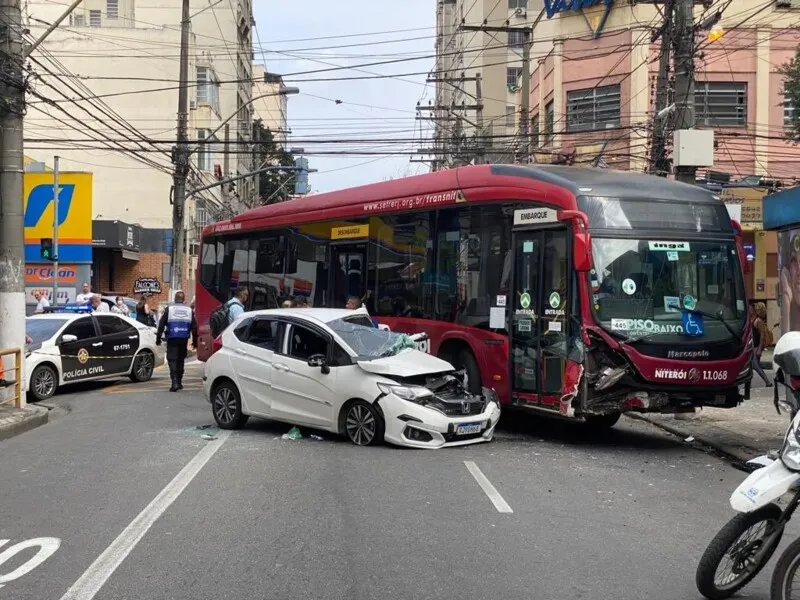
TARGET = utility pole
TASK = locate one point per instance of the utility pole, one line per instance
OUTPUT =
(180, 158)
(684, 78)
(56, 191)
(525, 108)
(12, 249)
(480, 157)
(658, 161)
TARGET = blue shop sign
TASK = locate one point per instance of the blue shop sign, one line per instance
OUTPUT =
(554, 7)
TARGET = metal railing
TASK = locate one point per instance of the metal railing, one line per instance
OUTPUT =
(16, 383)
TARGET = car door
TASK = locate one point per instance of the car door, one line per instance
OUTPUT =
(303, 393)
(120, 343)
(252, 360)
(81, 358)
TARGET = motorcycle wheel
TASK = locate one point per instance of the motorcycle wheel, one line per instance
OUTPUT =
(736, 543)
(786, 571)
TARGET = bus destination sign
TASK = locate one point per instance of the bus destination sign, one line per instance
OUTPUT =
(535, 216)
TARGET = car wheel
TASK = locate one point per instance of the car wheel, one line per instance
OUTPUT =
(226, 403)
(44, 382)
(600, 422)
(143, 366)
(363, 425)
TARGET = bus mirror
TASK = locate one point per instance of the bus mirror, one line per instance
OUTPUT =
(582, 245)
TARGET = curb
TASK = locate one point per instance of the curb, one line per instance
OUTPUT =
(727, 453)
(36, 416)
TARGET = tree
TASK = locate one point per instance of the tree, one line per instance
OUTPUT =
(791, 94)
(273, 186)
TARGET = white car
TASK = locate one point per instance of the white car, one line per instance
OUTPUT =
(331, 369)
(69, 347)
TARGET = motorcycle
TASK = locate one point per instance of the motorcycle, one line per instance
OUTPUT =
(747, 542)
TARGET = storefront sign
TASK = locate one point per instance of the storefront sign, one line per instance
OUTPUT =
(43, 274)
(116, 235)
(554, 7)
(350, 232)
(148, 285)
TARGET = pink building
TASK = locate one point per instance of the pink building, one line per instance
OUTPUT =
(587, 93)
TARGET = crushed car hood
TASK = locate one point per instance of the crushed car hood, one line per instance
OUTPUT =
(408, 363)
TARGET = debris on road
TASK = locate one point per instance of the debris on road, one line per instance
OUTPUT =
(208, 436)
(689, 439)
(316, 437)
(292, 434)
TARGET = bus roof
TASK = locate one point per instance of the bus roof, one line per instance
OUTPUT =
(552, 184)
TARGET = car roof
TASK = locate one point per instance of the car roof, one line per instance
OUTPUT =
(56, 316)
(323, 315)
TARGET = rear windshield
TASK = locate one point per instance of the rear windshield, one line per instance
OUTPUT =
(39, 330)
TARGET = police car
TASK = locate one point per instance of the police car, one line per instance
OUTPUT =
(71, 344)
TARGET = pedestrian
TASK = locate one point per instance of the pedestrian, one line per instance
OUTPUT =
(97, 304)
(300, 302)
(287, 304)
(236, 304)
(758, 319)
(41, 301)
(353, 303)
(144, 314)
(85, 297)
(180, 325)
(120, 308)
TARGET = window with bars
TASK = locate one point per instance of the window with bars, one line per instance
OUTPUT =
(95, 18)
(77, 20)
(112, 9)
(720, 104)
(201, 217)
(593, 109)
(512, 76)
(549, 123)
(207, 90)
(516, 39)
(511, 112)
(205, 151)
(513, 4)
(535, 129)
(788, 112)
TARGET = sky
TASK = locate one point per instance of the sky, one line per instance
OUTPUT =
(377, 109)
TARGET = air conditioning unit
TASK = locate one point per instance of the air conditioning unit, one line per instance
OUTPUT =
(520, 12)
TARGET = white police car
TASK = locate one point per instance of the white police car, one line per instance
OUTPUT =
(74, 345)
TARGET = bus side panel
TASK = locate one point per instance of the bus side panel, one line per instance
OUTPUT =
(490, 349)
(205, 304)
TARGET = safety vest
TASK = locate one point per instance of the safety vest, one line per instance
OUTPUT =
(179, 322)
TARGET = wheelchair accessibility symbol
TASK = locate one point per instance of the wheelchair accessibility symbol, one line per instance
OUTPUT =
(692, 324)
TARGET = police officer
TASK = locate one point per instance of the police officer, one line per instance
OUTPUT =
(179, 322)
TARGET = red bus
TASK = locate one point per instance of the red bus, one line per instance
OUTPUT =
(575, 291)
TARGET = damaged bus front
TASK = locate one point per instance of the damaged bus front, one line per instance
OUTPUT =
(666, 320)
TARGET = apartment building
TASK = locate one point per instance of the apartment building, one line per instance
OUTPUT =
(469, 60)
(593, 85)
(113, 66)
(270, 105)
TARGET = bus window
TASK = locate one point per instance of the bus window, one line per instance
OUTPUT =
(266, 266)
(307, 271)
(208, 265)
(472, 251)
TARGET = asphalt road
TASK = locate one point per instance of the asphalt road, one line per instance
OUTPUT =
(133, 503)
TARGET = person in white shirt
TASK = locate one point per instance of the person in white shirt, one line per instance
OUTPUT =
(119, 307)
(41, 301)
(86, 296)
(98, 305)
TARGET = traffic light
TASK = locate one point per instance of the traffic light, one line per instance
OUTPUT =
(46, 248)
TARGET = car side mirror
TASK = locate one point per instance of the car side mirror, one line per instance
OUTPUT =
(319, 360)
(68, 337)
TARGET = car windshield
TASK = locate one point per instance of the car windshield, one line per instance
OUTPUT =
(39, 330)
(657, 288)
(368, 342)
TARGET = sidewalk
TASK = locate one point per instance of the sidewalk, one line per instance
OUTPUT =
(750, 429)
(14, 421)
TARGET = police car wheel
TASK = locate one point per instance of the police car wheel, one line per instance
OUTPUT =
(44, 381)
(142, 367)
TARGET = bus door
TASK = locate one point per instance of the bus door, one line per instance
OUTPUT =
(348, 272)
(538, 322)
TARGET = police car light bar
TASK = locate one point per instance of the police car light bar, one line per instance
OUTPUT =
(69, 308)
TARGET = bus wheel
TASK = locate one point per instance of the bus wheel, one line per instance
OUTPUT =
(465, 360)
(599, 422)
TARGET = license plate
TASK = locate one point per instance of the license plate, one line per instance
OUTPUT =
(468, 428)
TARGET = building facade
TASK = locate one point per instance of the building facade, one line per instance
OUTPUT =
(269, 104)
(113, 69)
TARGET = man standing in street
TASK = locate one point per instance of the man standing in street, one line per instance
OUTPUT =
(85, 297)
(41, 301)
(236, 304)
(180, 324)
(97, 304)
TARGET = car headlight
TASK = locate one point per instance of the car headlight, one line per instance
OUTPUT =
(790, 451)
(412, 393)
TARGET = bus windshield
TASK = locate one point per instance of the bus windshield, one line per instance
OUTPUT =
(640, 288)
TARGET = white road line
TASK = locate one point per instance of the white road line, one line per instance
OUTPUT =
(499, 503)
(101, 569)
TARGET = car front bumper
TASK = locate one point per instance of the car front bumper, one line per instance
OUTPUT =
(416, 426)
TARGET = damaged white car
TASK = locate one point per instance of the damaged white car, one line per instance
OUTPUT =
(331, 369)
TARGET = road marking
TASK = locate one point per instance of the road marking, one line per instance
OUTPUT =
(104, 566)
(46, 548)
(499, 503)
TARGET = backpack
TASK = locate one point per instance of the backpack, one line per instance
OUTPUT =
(218, 320)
